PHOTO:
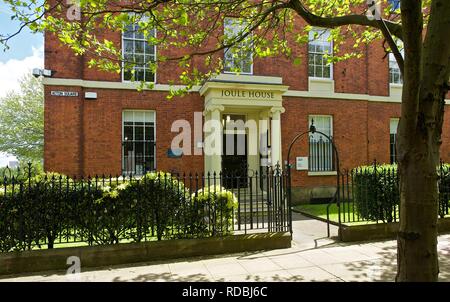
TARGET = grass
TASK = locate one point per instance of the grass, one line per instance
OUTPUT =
(348, 213)
(320, 211)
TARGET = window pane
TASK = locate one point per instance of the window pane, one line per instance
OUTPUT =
(139, 133)
(128, 116)
(318, 47)
(311, 70)
(128, 133)
(149, 133)
(149, 76)
(139, 74)
(138, 149)
(139, 59)
(139, 47)
(128, 46)
(135, 48)
(149, 150)
(128, 148)
(327, 72)
(318, 60)
(149, 118)
(139, 117)
(128, 33)
(238, 58)
(139, 34)
(149, 59)
(127, 75)
(149, 49)
(318, 71)
(320, 148)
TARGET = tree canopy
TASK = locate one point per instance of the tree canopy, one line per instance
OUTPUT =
(190, 32)
(22, 121)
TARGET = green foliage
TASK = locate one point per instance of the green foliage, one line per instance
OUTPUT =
(377, 195)
(444, 189)
(48, 208)
(22, 121)
(33, 211)
(216, 209)
(376, 192)
(193, 31)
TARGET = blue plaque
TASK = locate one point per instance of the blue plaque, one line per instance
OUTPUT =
(174, 153)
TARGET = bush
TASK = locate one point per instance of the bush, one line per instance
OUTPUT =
(213, 211)
(134, 209)
(376, 192)
(48, 207)
(33, 211)
(444, 190)
(162, 201)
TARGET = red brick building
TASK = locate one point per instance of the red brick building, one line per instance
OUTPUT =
(97, 122)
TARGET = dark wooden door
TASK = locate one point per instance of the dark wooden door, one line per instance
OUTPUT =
(234, 161)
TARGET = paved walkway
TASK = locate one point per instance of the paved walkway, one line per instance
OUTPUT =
(312, 257)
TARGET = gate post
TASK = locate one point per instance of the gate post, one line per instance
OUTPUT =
(289, 196)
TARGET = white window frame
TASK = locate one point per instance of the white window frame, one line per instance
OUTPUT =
(123, 137)
(311, 40)
(393, 65)
(123, 55)
(393, 132)
(250, 37)
(330, 117)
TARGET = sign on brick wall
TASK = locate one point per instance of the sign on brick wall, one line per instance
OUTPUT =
(64, 93)
(302, 163)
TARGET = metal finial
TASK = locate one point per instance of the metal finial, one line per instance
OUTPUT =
(312, 128)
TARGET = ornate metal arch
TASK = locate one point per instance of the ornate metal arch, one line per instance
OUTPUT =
(337, 196)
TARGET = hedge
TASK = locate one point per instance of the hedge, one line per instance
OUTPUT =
(52, 208)
(376, 191)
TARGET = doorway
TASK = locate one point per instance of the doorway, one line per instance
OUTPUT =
(234, 152)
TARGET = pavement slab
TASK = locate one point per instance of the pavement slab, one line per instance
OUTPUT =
(312, 257)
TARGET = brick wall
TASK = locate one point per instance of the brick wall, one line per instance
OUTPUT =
(84, 137)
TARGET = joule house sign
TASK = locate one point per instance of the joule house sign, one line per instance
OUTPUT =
(252, 94)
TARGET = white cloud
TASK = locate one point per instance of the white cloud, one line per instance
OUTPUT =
(13, 70)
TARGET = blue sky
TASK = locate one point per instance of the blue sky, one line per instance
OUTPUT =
(26, 52)
(21, 45)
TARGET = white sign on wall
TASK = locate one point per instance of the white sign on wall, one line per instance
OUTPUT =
(302, 163)
(64, 93)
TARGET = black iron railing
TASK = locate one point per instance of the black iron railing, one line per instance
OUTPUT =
(372, 193)
(49, 210)
(321, 154)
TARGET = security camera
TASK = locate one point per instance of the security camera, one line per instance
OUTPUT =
(37, 72)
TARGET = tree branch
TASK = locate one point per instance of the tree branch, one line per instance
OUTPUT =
(332, 22)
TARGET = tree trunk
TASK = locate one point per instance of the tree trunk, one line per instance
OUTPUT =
(426, 73)
(417, 237)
